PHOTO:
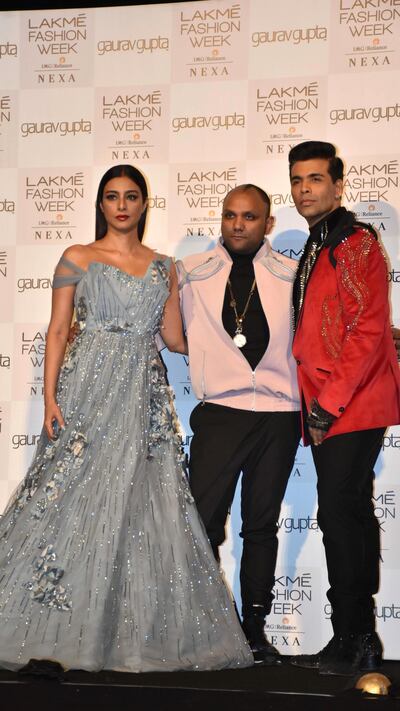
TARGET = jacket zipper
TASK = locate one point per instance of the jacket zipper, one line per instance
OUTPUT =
(203, 383)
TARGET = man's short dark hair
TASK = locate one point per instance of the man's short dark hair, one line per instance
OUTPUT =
(249, 186)
(318, 149)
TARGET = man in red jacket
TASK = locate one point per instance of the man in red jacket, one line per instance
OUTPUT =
(349, 386)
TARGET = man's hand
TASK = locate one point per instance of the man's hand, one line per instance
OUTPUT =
(317, 436)
(318, 421)
(396, 338)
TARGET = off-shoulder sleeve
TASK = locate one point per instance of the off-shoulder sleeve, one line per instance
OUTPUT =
(67, 274)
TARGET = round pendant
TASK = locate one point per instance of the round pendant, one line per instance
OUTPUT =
(239, 340)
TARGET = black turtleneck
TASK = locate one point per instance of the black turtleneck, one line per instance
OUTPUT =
(255, 325)
(330, 220)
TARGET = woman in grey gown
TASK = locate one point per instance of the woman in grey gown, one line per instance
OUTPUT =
(104, 563)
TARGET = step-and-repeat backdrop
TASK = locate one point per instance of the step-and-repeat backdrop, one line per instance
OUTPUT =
(201, 96)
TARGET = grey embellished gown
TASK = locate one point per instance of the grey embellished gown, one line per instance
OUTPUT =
(104, 563)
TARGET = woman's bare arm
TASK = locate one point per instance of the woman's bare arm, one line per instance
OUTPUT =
(56, 341)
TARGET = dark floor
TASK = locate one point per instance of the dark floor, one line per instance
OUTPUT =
(281, 688)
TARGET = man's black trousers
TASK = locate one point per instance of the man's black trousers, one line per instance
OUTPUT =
(262, 445)
(344, 465)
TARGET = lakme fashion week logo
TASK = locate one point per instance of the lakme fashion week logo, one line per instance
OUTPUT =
(293, 36)
(291, 596)
(283, 114)
(371, 26)
(369, 18)
(212, 27)
(209, 36)
(372, 181)
(205, 188)
(215, 122)
(5, 109)
(32, 349)
(202, 193)
(58, 41)
(7, 127)
(372, 186)
(139, 45)
(385, 507)
(132, 120)
(54, 201)
(3, 264)
(55, 128)
(287, 105)
(1, 419)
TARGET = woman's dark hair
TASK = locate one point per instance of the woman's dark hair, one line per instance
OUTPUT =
(118, 171)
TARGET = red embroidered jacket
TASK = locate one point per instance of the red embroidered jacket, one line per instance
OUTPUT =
(343, 344)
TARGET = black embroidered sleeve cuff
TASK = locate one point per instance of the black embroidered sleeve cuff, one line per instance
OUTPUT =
(319, 418)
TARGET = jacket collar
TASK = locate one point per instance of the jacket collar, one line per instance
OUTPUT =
(263, 251)
(338, 224)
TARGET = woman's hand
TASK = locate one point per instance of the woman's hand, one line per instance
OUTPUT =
(52, 414)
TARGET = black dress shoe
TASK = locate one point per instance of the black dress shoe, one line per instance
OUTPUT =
(344, 655)
(312, 661)
(42, 668)
(353, 653)
(263, 651)
(372, 652)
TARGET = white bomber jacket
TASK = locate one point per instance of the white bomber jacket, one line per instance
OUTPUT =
(219, 372)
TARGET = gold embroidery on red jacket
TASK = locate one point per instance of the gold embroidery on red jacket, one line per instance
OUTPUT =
(331, 325)
(352, 261)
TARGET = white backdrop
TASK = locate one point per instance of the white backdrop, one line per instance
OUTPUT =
(201, 96)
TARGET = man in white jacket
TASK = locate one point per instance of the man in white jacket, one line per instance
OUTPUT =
(236, 305)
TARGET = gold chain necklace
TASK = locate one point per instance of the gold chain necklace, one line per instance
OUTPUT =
(239, 338)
